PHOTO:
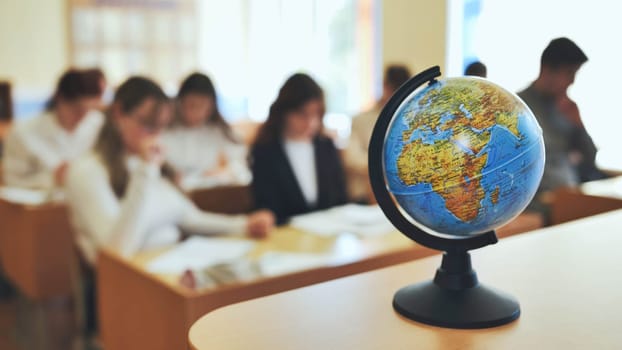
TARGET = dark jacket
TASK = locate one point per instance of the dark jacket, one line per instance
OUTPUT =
(276, 188)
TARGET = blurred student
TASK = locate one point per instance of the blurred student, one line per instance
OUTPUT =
(362, 127)
(105, 96)
(477, 69)
(296, 169)
(569, 150)
(568, 146)
(200, 144)
(122, 195)
(584, 155)
(38, 151)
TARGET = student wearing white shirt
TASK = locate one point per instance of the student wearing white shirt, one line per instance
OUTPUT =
(362, 127)
(296, 169)
(37, 151)
(123, 195)
(200, 144)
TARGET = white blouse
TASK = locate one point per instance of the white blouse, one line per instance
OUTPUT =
(150, 214)
(195, 151)
(36, 147)
(301, 156)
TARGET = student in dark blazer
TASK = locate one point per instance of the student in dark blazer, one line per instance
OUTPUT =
(296, 169)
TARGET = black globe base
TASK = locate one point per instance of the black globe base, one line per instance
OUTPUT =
(477, 307)
(455, 299)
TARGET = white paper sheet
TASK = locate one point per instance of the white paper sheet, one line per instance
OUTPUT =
(363, 220)
(29, 197)
(608, 188)
(281, 263)
(198, 253)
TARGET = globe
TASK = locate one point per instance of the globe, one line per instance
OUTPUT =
(451, 160)
(462, 156)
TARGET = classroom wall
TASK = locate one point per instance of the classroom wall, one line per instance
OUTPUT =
(414, 32)
(33, 42)
(403, 37)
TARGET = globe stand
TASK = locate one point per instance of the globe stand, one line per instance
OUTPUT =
(455, 299)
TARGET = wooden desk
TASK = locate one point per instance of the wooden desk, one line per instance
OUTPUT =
(37, 255)
(36, 244)
(139, 310)
(568, 279)
(36, 249)
(589, 199)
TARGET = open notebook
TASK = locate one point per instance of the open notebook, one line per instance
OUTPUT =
(198, 253)
(219, 261)
(362, 220)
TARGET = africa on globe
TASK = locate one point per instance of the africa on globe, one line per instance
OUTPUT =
(463, 156)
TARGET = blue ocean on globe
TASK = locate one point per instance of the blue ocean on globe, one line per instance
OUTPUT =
(463, 156)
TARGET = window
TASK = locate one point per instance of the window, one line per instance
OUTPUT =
(123, 37)
(248, 47)
(509, 36)
(334, 41)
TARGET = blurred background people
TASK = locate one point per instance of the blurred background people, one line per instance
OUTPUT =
(200, 144)
(123, 195)
(570, 152)
(362, 126)
(477, 69)
(38, 151)
(296, 169)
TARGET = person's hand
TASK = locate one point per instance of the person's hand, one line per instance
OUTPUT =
(260, 223)
(222, 167)
(177, 179)
(188, 279)
(151, 151)
(60, 173)
(570, 110)
(575, 157)
(223, 162)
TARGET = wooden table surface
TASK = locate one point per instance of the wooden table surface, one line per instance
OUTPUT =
(568, 279)
(139, 309)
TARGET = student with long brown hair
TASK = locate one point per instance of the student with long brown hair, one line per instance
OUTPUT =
(123, 196)
(38, 151)
(296, 169)
(200, 144)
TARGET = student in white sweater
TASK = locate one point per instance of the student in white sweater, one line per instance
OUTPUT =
(37, 151)
(123, 195)
(200, 144)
